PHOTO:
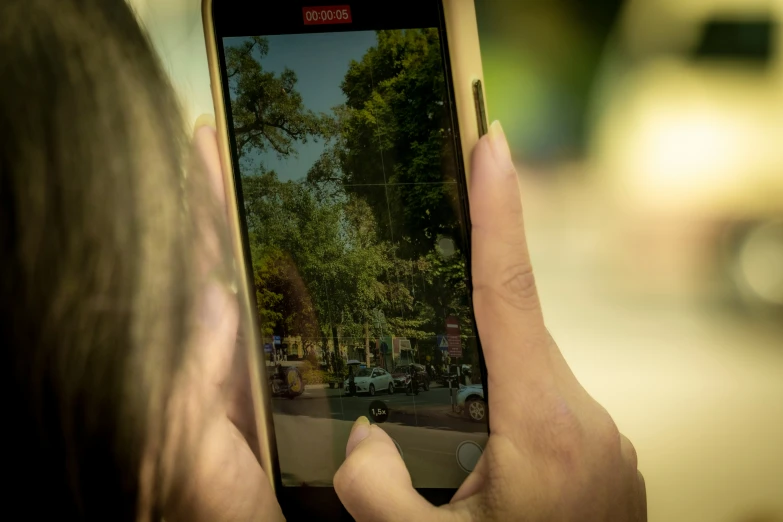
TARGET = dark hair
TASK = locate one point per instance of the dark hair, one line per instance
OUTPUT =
(96, 285)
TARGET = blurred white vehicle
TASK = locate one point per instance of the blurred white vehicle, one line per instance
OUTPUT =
(470, 401)
(686, 128)
(372, 381)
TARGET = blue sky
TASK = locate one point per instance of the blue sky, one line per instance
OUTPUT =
(320, 61)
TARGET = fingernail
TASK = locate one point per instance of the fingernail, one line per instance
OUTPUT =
(500, 149)
(205, 120)
(359, 432)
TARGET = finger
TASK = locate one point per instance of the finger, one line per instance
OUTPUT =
(628, 451)
(215, 335)
(642, 517)
(502, 268)
(216, 348)
(515, 341)
(205, 139)
(474, 483)
(218, 315)
(373, 483)
(631, 459)
(205, 120)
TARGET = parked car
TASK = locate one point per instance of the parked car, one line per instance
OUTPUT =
(470, 400)
(402, 376)
(372, 381)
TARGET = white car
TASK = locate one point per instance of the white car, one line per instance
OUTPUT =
(470, 400)
(372, 381)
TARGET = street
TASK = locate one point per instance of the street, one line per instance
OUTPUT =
(429, 409)
(311, 431)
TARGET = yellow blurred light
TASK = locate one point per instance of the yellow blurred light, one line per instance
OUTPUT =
(686, 156)
(697, 140)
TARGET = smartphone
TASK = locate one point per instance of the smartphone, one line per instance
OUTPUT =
(346, 131)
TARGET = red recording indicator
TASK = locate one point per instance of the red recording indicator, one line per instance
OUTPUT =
(328, 14)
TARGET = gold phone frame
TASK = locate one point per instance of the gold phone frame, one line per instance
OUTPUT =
(467, 84)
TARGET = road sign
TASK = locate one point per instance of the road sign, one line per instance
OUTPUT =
(268, 348)
(453, 337)
(443, 343)
(278, 340)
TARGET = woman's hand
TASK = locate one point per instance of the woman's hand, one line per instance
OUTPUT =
(554, 453)
(210, 462)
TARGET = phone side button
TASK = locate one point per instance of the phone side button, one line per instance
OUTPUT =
(481, 111)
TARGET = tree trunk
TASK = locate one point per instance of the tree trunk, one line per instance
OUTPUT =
(367, 344)
(337, 355)
(327, 356)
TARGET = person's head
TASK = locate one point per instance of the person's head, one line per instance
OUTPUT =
(102, 261)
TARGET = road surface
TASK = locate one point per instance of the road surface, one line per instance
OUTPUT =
(311, 449)
(430, 409)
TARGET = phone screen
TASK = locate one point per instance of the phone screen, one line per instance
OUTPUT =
(353, 199)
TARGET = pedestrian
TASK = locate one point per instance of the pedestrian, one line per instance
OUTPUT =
(414, 381)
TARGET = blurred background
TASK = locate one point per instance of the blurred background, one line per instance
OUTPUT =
(649, 138)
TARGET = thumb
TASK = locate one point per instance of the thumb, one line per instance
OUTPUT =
(206, 142)
(373, 482)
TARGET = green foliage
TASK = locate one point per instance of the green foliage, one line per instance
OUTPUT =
(267, 110)
(357, 239)
(312, 359)
(395, 129)
(312, 375)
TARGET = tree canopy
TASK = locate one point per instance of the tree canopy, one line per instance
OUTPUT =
(358, 238)
(395, 131)
(267, 110)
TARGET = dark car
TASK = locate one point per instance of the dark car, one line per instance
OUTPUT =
(402, 377)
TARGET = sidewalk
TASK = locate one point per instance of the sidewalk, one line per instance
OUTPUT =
(320, 391)
(316, 386)
(431, 411)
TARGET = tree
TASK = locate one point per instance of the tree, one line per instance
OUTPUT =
(284, 303)
(267, 109)
(292, 236)
(269, 115)
(318, 262)
(359, 235)
(394, 131)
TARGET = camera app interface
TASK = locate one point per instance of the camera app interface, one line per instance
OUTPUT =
(350, 190)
